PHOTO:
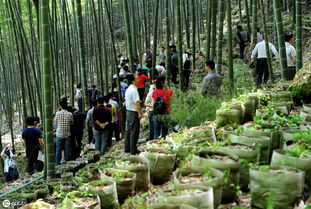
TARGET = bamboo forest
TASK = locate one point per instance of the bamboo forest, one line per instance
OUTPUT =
(155, 104)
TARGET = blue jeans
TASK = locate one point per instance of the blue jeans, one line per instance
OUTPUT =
(160, 125)
(101, 141)
(62, 144)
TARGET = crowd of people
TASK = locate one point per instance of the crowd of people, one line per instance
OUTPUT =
(105, 117)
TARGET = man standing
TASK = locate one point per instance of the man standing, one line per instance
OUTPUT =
(33, 142)
(133, 115)
(212, 81)
(63, 121)
(162, 56)
(174, 66)
(244, 40)
(187, 66)
(259, 53)
(102, 118)
(290, 56)
(90, 122)
(78, 96)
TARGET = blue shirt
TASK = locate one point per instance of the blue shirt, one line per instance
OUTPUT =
(31, 137)
(211, 84)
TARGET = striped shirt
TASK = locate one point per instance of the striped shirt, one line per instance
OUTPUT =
(63, 120)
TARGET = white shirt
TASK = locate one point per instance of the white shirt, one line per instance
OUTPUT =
(131, 97)
(161, 70)
(260, 51)
(290, 54)
(78, 94)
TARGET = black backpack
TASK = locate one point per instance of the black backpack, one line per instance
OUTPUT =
(159, 105)
(245, 36)
(12, 174)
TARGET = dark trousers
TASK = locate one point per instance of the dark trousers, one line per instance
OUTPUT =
(32, 158)
(90, 134)
(80, 104)
(76, 145)
(151, 125)
(113, 130)
(262, 71)
(290, 73)
(141, 92)
(242, 49)
(187, 77)
(174, 75)
(132, 132)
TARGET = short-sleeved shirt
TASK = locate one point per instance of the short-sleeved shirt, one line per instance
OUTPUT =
(31, 137)
(116, 104)
(142, 78)
(259, 37)
(260, 51)
(161, 70)
(63, 120)
(290, 54)
(101, 114)
(167, 95)
(131, 97)
(78, 94)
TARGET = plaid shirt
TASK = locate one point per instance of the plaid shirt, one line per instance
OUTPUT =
(63, 120)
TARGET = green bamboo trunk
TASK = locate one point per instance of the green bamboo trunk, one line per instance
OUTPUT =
(247, 16)
(280, 34)
(299, 34)
(220, 35)
(128, 34)
(254, 22)
(180, 47)
(47, 91)
(194, 22)
(263, 13)
(167, 33)
(230, 52)
(214, 24)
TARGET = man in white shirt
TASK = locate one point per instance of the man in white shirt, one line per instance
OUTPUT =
(162, 56)
(259, 35)
(161, 69)
(259, 53)
(290, 56)
(133, 115)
